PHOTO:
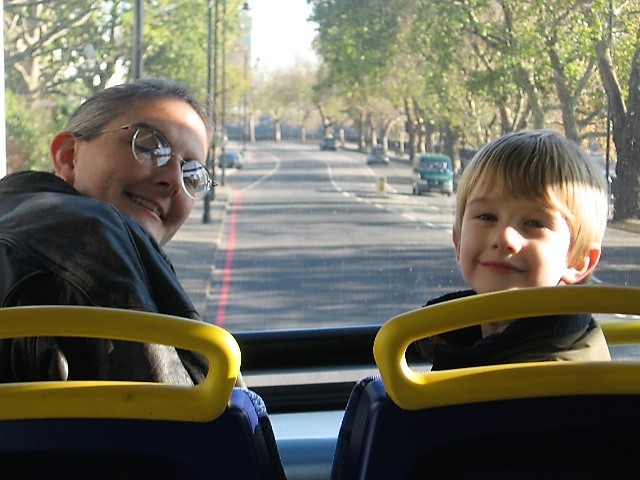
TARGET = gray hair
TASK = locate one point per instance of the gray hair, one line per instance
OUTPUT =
(105, 105)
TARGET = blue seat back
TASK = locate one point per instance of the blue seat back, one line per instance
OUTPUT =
(109, 429)
(544, 437)
(236, 445)
(500, 421)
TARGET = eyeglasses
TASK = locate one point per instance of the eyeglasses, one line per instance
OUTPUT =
(151, 148)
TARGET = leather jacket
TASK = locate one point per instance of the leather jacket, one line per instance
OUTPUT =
(58, 247)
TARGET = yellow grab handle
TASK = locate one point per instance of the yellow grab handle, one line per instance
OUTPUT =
(413, 390)
(114, 399)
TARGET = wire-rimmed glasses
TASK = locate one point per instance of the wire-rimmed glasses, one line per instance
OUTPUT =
(151, 148)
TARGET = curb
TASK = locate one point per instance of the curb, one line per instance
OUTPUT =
(632, 226)
(192, 250)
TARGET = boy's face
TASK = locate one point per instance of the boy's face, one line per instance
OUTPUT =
(508, 242)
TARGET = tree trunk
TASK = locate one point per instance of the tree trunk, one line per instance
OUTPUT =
(626, 132)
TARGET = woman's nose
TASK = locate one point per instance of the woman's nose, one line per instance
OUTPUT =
(170, 174)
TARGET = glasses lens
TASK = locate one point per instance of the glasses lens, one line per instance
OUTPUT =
(150, 147)
(196, 179)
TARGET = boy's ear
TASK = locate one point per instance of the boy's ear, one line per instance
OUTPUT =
(576, 273)
(63, 154)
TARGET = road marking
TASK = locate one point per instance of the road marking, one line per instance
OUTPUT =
(223, 299)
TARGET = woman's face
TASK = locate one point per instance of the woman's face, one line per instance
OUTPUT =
(105, 168)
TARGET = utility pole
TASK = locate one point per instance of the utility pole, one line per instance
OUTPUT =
(206, 215)
(3, 125)
(221, 93)
(223, 89)
(609, 120)
(246, 32)
(138, 46)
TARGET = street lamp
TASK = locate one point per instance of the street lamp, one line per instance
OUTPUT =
(609, 120)
(138, 45)
(206, 202)
(213, 21)
(246, 43)
(223, 90)
(211, 41)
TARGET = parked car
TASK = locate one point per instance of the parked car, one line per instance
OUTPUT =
(230, 159)
(377, 155)
(328, 143)
(434, 173)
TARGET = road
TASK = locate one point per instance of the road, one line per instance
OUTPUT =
(315, 238)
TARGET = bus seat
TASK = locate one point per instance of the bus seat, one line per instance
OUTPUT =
(527, 420)
(121, 429)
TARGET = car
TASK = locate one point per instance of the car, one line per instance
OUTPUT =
(378, 155)
(434, 173)
(329, 143)
(230, 159)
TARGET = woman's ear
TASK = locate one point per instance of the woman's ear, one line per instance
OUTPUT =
(577, 272)
(63, 154)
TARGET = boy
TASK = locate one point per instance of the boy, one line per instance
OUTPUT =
(531, 211)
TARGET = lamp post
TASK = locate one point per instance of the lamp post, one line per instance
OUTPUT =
(206, 216)
(246, 43)
(3, 127)
(137, 40)
(608, 147)
(223, 90)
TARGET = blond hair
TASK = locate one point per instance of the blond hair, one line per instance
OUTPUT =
(542, 165)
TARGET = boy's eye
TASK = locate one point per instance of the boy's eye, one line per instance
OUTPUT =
(535, 224)
(487, 217)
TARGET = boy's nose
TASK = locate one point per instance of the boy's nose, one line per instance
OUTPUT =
(508, 238)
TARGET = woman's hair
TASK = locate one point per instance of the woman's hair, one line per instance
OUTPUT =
(545, 166)
(105, 105)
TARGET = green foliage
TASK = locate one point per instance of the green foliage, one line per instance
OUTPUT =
(286, 94)
(464, 64)
(356, 41)
(28, 134)
(55, 56)
(49, 46)
(175, 38)
(57, 53)
(474, 68)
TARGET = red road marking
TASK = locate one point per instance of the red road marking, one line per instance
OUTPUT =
(236, 202)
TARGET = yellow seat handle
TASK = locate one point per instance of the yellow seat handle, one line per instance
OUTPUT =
(413, 390)
(119, 399)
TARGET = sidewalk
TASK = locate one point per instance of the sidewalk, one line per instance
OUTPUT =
(193, 248)
(627, 226)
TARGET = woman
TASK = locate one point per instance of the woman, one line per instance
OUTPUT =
(128, 168)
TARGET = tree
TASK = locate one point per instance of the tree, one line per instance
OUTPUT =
(54, 56)
(357, 41)
(621, 80)
(58, 53)
(286, 95)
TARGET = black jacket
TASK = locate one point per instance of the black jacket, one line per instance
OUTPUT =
(548, 338)
(58, 247)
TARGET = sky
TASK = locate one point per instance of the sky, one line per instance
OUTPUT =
(280, 33)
